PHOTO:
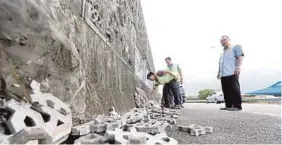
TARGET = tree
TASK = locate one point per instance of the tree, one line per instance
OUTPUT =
(203, 94)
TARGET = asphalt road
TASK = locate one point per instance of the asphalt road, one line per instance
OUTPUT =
(255, 124)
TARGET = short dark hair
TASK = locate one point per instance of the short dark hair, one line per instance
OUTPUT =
(168, 58)
(225, 36)
(150, 74)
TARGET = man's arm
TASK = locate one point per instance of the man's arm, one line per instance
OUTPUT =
(179, 71)
(170, 73)
(239, 54)
(218, 76)
(239, 64)
(240, 60)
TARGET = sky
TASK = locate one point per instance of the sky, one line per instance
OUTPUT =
(189, 32)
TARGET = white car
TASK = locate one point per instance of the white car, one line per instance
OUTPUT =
(216, 98)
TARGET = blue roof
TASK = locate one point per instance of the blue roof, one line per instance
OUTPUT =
(274, 89)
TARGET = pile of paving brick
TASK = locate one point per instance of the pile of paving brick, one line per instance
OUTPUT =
(47, 120)
(195, 129)
(139, 126)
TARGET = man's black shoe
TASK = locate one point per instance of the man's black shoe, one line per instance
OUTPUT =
(226, 108)
(235, 109)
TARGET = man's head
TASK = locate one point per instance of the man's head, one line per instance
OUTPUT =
(151, 76)
(225, 41)
(168, 61)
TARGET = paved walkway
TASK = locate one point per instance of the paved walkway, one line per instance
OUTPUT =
(256, 124)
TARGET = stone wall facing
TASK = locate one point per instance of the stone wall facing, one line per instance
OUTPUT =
(92, 53)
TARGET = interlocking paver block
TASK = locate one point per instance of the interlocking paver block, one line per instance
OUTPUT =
(90, 139)
(137, 138)
(196, 130)
(114, 125)
(82, 129)
(29, 134)
(180, 128)
(98, 127)
(208, 129)
(161, 139)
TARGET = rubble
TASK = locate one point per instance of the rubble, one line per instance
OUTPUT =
(29, 134)
(90, 139)
(195, 130)
(47, 120)
(82, 129)
(43, 116)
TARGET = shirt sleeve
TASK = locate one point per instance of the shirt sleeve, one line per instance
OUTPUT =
(238, 51)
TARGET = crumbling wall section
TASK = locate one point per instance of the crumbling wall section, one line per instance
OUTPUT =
(91, 53)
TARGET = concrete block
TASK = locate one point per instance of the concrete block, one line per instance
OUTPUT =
(48, 99)
(29, 134)
(121, 137)
(196, 130)
(161, 139)
(146, 120)
(22, 117)
(172, 121)
(162, 126)
(114, 125)
(82, 129)
(117, 136)
(133, 118)
(110, 136)
(109, 120)
(126, 127)
(137, 138)
(56, 124)
(97, 121)
(208, 129)
(150, 129)
(90, 139)
(98, 128)
(174, 116)
(185, 128)
(180, 128)
(45, 114)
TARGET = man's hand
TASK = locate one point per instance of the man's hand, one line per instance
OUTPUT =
(218, 77)
(237, 71)
(166, 71)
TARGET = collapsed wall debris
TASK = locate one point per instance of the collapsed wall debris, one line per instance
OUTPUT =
(46, 119)
(195, 129)
(134, 127)
(144, 124)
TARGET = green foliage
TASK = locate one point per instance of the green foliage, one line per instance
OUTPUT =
(203, 94)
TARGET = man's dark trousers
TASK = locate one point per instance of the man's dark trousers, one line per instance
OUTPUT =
(231, 91)
(173, 87)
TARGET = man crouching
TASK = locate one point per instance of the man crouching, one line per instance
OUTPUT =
(168, 79)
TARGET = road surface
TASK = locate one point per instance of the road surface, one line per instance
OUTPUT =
(256, 124)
